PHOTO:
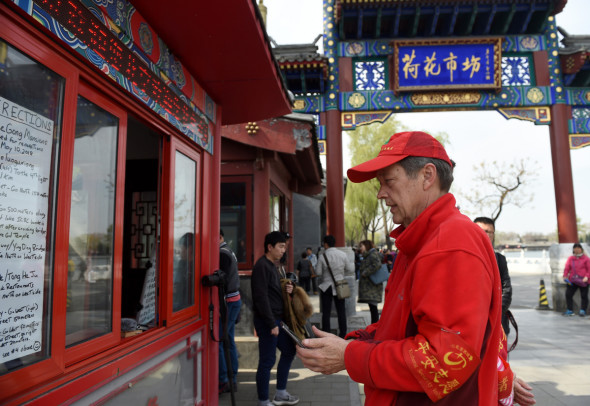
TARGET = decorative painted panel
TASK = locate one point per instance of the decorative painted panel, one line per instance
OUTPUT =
(524, 43)
(309, 104)
(515, 96)
(124, 64)
(370, 75)
(580, 122)
(331, 51)
(538, 115)
(131, 28)
(578, 96)
(579, 141)
(516, 71)
(555, 74)
(352, 120)
(365, 48)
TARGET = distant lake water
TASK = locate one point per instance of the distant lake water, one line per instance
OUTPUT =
(526, 254)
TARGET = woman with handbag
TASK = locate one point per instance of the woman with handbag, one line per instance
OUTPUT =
(370, 292)
(576, 274)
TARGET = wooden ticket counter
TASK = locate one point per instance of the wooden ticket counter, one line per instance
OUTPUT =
(109, 195)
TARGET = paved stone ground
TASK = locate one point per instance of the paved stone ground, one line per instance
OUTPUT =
(553, 355)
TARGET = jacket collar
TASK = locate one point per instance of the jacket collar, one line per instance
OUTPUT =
(409, 240)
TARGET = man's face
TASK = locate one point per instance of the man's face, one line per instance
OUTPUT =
(309, 252)
(275, 253)
(489, 229)
(404, 195)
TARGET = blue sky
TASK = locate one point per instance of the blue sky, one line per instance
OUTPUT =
(474, 136)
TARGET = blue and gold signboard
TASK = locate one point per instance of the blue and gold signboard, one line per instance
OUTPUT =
(447, 64)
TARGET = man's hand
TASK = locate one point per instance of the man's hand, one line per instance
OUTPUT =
(274, 331)
(522, 393)
(325, 353)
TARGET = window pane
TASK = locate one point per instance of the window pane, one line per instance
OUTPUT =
(275, 212)
(233, 217)
(184, 232)
(90, 276)
(31, 99)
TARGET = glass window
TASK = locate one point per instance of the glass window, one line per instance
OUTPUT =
(234, 216)
(275, 211)
(31, 98)
(184, 232)
(90, 265)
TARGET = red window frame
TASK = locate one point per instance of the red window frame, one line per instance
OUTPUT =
(80, 351)
(34, 47)
(167, 236)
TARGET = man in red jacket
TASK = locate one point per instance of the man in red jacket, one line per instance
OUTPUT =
(439, 336)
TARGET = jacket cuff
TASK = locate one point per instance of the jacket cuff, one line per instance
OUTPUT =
(355, 359)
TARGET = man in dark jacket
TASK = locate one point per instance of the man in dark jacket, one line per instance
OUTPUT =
(267, 297)
(488, 225)
(228, 263)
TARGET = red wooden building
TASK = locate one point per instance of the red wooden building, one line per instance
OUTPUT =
(110, 165)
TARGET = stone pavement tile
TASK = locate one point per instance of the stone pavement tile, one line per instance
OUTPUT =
(553, 357)
(313, 389)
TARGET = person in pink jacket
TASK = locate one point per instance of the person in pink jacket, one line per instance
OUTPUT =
(576, 274)
(439, 336)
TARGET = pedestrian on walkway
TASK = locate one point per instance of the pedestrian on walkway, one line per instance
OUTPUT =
(267, 298)
(370, 293)
(489, 226)
(576, 274)
(439, 335)
(304, 271)
(340, 266)
(228, 263)
(314, 261)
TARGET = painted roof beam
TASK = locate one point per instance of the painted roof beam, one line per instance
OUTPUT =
(303, 82)
(453, 20)
(396, 23)
(416, 22)
(529, 16)
(472, 17)
(434, 20)
(378, 22)
(490, 20)
(359, 26)
(508, 19)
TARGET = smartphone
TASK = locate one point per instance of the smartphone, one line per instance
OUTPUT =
(292, 335)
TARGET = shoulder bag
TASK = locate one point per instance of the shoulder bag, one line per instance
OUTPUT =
(380, 276)
(342, 288)
(575, 278)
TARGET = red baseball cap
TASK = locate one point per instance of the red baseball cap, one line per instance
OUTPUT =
(399, 146)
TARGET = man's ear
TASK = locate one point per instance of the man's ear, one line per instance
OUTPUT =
(429, 174)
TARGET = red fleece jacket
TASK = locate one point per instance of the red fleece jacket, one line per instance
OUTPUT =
(445, 278)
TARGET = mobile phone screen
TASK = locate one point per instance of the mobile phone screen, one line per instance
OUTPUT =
(292, 335)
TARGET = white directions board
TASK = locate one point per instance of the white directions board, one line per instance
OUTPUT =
(26, 141)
